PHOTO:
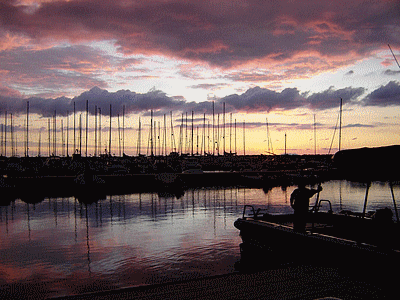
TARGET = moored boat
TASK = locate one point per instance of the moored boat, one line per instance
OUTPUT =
(334, 236)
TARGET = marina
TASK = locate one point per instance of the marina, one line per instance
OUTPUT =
(199, 150)
(61, 246)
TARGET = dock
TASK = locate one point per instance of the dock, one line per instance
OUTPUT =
(290, 282)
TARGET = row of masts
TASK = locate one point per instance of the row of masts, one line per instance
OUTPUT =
(207, 139)
(200, 140)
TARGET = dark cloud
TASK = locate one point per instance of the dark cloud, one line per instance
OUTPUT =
(391, 72)
(330, 98)
(385, 95)
(260, 99)
(255, 99)
(357, 126)
(351, 72)
(221, 33)
(133, 103)
(209, 86)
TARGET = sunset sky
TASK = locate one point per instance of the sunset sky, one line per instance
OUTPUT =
(288, 62)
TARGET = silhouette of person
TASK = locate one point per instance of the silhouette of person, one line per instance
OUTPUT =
(299, 201)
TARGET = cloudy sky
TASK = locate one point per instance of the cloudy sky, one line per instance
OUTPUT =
(286, 63)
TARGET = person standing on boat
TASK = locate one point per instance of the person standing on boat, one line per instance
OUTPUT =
(299, 201)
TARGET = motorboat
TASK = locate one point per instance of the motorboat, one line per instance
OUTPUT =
(337, 236)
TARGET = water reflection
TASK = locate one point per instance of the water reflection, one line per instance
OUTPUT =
(70, 245)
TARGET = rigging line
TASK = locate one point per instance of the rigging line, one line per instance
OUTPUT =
(394, 56)
(334, 132)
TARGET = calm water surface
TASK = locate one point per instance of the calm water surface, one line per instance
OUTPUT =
(61, 246)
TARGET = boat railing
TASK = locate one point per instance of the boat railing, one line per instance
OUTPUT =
(317, 207)
(253, 212)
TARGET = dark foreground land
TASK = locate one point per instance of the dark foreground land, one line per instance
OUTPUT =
(290, 282)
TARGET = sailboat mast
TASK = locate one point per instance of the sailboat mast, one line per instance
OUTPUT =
(186, 134)
(315, 138)
(204, 134)
(151, 134)
(223, 129)
(5, 134)
(285, 144)
(27, 129)
(80, 133)
(62, 138)
(95, 130)
(217, 142)
(87, 125)
(180, 150)
(109, 138)
(99, 130)
(12, 135)
(40, 139)
(173, 143)
(270, 148)
(266, 123)
(192, 133)
(139, 139)
(235, 139)
(74, 130)
(340, 123)
(123, 129)
(48, 131)
(67, 133)
(230, 134)
(119, 136)
(213, 128)
(165, 135)
(54, 133)
(244, 138)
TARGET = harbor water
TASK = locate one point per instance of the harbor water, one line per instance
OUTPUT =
(62, 246)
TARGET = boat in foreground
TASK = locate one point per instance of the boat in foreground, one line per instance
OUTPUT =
(336, 237)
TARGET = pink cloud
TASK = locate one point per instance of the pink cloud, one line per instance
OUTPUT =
(219, 33)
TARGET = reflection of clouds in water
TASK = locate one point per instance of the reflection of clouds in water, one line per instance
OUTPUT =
(141, 238)
(126, 240)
